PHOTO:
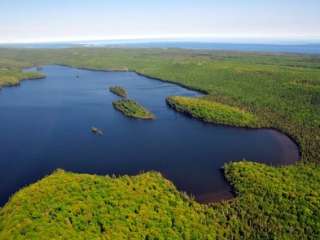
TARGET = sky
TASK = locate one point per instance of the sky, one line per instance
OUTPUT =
(217, 20)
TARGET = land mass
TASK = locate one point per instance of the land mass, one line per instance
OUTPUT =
(14, 77)
(212, 112)
(120, 91)
(272, 90)
(132, 109)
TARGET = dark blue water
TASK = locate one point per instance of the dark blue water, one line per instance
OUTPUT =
(243, 47)
(301, 48)
(45, 124)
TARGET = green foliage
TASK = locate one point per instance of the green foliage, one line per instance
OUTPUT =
(211, 112)
(272, 203)
(281, 91)
(78, 206)
(120, 91)
(11, 69)
(13, 77)
(132, 109)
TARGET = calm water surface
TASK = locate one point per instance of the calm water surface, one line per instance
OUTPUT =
(45, 124)
(277, 47)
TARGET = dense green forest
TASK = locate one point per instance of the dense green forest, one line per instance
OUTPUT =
(13, 77)
(212, 112)
(131, 108)
(119, 91)
(279, 91)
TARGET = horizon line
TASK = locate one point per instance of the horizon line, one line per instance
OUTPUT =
(182, 37)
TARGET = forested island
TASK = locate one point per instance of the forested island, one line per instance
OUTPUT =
(278, 91)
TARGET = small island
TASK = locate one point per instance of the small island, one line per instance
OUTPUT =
(132, 109)
(119, 91)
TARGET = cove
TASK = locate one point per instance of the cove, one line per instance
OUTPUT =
(46, 124)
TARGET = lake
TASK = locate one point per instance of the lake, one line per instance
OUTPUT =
(46, 124)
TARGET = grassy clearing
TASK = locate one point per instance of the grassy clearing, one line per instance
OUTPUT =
(132, 109)
(119, 91)
(211, 112)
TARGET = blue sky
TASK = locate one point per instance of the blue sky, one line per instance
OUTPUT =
(63, 20)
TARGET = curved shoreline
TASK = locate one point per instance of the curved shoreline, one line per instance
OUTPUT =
(203, 122)
(21, 80)
(292, 138)
(243, 127)
(189, 88)
(138, 73)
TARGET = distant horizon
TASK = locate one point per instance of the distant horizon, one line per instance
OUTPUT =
(132, 40)
(299, 47)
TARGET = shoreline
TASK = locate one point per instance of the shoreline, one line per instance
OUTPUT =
(136, 72)
(197, 90)
(292, 138)
(20, 82)
(213, 199)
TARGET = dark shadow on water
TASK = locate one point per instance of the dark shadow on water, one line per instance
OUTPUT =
(46, 125)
